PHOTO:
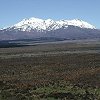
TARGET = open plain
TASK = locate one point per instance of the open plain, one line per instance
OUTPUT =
(50, 71)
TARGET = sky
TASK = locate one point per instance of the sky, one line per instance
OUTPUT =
(13, 11)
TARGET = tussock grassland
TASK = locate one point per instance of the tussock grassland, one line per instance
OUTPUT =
(38, 72)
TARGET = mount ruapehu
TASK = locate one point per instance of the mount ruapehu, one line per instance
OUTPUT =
(35, 28)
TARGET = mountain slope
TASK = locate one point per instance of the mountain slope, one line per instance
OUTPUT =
(49, 24)
(38, 28)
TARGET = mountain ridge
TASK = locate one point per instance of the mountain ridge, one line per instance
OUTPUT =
(38, 28)
(49, 24)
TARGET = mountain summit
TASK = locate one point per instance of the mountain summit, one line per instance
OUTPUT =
(49, 24)
(38, 28)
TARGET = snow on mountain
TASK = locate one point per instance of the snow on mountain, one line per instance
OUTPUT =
(48, 25)
(35, 28)
(76, 22)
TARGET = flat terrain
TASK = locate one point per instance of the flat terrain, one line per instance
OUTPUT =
(51, 70)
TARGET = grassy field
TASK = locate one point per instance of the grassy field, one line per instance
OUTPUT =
(56, 71)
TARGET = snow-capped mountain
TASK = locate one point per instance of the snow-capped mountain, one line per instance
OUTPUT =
(37, 28)
(49, 24)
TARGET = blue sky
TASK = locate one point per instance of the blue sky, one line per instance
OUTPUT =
(13, 11)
